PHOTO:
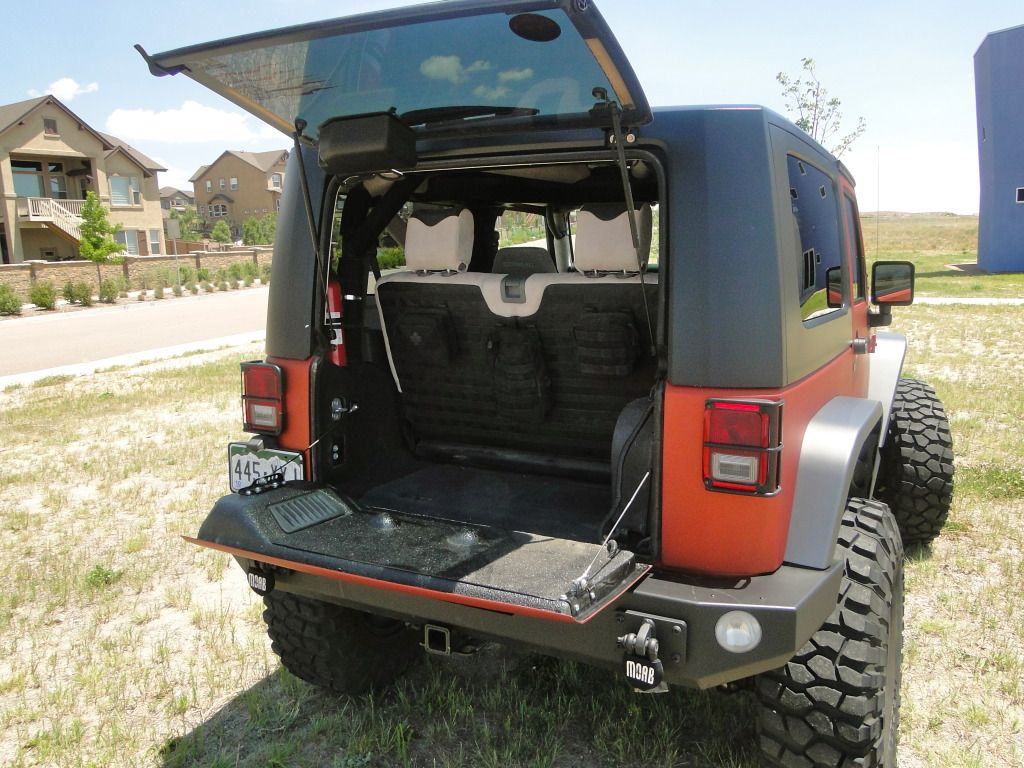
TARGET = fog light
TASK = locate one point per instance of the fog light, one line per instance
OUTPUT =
(738, 632)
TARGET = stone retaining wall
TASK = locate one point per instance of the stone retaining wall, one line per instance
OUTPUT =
(21, 276)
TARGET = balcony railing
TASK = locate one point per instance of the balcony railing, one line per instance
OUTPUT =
(64, 214)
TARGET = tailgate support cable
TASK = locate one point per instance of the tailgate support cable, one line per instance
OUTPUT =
(581, 584)
(620, 150)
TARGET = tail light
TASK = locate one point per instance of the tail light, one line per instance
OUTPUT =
(262, 398)
(742, 444)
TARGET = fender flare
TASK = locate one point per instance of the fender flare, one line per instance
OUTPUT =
(886, 366)
(828, 456)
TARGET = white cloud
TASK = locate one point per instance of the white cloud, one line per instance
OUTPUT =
(487, 93)
(514, 75)
(191, 123)
(65, 89)
(450, 68)
(175, 176)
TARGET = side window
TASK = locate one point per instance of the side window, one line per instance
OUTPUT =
(856, 247)
(816, 216)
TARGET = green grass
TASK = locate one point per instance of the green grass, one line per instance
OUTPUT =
(936, 243)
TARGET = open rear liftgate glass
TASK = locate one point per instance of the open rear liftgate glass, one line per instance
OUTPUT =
(319, 532)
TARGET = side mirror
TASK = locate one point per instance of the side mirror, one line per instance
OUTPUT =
(834, 287)
(892, 285)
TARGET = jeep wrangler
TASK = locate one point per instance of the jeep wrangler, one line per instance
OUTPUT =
(665, 437)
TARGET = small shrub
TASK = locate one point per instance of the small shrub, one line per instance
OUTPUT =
(207, 288)
(250, 270)
(192, 288)
(203, 275)
(77, 292)
(264, 273)
(158, 292)
(223, 285)
(390, 258)
(101, 576)
(186, 274)
(247, 280)
(110, 289)
(235, 271)
(10, 302)
(142, 295)
(43, 294)
(176, 290)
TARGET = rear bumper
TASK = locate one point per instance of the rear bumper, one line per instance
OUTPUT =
(790, 604)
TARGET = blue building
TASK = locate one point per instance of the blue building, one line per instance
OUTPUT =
(999, 88)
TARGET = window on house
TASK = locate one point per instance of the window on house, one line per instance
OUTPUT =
(234, 182)
(124, 190)
(202, 210)
(50, 127)
(218, 209)
(28, 178)
(277, 204)
(1020, 194)
(817, 218)
(275, 180)
(48, 254)
(209, 185)
(154, 241)
(222, 184)
(129, 238)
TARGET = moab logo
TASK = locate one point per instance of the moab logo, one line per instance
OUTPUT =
(261, 583)
(640, 672)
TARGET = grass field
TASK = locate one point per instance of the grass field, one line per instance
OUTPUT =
(120, 645)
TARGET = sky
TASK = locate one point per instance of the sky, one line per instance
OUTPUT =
(905, 66)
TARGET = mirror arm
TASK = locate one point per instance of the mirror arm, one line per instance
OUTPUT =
(882, 318)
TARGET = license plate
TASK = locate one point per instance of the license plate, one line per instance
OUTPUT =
(246, 466)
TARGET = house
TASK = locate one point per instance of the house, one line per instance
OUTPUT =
(49, 159)
(239, 186)
(999, 89)
(174, 199)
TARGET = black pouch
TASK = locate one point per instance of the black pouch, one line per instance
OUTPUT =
(606, 343)
(425, 337)
(522, 388)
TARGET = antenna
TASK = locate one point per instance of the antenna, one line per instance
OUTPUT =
(878, 193)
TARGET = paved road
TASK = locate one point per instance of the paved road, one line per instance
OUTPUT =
(71, 340)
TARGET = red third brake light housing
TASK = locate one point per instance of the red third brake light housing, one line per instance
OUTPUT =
(262, 394)
(742, 444)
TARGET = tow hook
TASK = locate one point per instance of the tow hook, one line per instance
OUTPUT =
(640, 662)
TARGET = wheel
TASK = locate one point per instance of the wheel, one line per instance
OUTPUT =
(335, 648)
(916, 474)
(836, 703)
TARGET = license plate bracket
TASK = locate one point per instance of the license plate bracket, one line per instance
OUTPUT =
(246, 466)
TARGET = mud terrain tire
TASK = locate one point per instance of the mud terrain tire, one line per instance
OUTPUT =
(836, 703)
(339, 649)
(916, 474)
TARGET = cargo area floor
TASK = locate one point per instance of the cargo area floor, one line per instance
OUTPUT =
(547, 506)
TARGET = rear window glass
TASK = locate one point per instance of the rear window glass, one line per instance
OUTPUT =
(814, 209)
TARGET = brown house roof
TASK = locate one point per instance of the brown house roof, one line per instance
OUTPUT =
(172, 191)
(12, 114)
(263, 161)
(145, 162)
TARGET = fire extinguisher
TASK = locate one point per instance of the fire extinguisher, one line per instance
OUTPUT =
(334, 314)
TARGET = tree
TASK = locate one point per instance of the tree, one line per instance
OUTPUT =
(221, 232)
(97, 243)
(816, 113)
(259, 230)
(188, 222)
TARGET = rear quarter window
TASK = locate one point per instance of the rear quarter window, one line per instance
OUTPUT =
(812, 196)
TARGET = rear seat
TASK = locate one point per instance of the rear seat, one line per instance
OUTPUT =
(540, 363)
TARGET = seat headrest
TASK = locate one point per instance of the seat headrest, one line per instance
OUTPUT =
(523, 260)
(440, 241)
(603, 240)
